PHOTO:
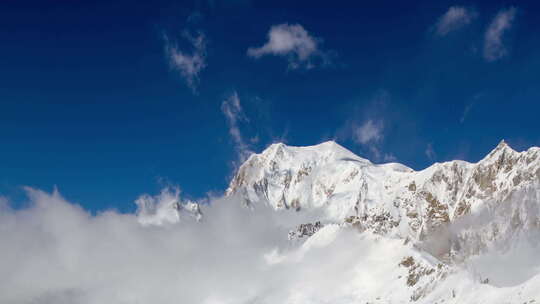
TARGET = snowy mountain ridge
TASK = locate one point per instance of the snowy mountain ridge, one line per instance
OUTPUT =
(461, 219)
(386, 198)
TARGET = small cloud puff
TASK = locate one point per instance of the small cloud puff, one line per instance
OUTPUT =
(293, 42)
(369, 131)
(455, 18)
(370, 134)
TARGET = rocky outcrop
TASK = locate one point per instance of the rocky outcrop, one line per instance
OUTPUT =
(304, 230)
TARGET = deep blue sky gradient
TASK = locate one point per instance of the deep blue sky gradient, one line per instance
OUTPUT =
(90, 104)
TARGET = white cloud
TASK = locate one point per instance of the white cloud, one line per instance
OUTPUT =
(369, 132)
(455, 18)
(370, 135)
(494, 47)
(293, 42)
(232, 109)
(188, 64)
(367, 127)
(56, 252)
(430, 153)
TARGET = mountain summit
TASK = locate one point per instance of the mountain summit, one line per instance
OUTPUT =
(454, 212)
(412, 203)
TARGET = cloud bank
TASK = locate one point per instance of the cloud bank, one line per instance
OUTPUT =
(55, 252)
(293, 42)
(189, 64)
(494, 46)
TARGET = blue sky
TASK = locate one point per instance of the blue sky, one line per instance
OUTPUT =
(110, 100)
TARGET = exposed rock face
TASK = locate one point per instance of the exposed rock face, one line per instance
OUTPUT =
(422, 276)
(305, 230)
(389, 198)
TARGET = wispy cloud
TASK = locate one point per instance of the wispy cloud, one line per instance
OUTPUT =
(234, 114)
(293, 42)
(455, 18)
(430, 153)
(369, 134)
(494, 46)
(369, 131)
(466, 112)
(469, 105)
(189, 64)
(389, 157)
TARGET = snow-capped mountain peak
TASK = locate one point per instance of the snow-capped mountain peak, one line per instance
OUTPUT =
(450, 212)
(390, 198)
